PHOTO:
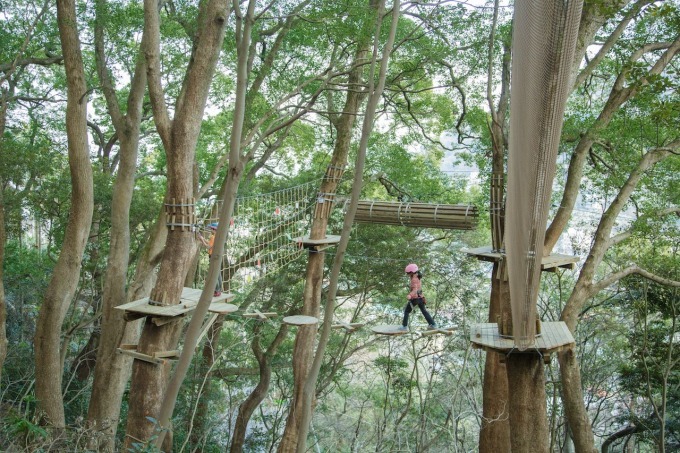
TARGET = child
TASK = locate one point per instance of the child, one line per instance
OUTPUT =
(209, 244)
(415, 297)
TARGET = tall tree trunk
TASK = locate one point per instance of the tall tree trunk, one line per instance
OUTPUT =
(494, 435)
(306, 335)
(113, 370)
(179, 138)
(584, 289)
(528, 417)
(375, 93)
(3, 239)
(66, 273)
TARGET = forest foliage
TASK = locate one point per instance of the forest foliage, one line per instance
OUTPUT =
(430, 143)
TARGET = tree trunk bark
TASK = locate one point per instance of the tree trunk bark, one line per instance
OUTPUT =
(3, 239)
(149, 381)
(494, 435)
(306, 335)
(528, 417)
(112, 370)
(66, 273)
(577, 416)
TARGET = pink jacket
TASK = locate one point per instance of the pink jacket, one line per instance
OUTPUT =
(415, 288)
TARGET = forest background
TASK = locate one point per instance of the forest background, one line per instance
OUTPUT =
(110, 109)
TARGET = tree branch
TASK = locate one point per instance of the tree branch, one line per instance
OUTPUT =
(634, 269)
(610, 41)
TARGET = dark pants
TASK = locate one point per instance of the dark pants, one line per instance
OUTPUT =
(218, 286)
(423, 310)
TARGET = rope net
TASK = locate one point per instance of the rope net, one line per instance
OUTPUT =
(261, 235)
(543, 42)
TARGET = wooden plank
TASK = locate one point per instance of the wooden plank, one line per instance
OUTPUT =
(173, 354)
(300, 320)
(548, 263)
(163, 320)
(188, 301)
(261, 315)
(139, 356)
(389, 330)
(554, 338)
(222, 308)
(349, 326)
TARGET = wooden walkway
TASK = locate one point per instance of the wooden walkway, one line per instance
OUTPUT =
(554, 337)
(548, 263)
(411, 214)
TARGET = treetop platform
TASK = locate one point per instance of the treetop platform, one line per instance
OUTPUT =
(187, 302)
(300, 320)
(391, 330)
(549, 263)
(317, 244)
(554, 337)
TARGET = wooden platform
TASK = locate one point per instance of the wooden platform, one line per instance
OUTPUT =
(554, 337)
(300, 320)
(317, 244)
(426, 215)
(188, 301)
(549, 263)
(389, 330)
(222, 308)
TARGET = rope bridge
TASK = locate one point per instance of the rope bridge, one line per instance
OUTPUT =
(261, 234)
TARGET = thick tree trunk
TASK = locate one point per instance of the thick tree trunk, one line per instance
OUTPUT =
(179, 138)
(66, 273)
(494, 435)
(113, 370)
(577, 416)
(528, 417)
(303, 347)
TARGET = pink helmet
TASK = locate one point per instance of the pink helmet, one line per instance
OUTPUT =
(411, 268)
